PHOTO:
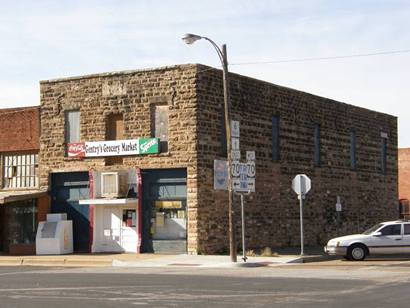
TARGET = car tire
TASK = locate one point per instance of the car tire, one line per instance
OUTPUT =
(357, 252)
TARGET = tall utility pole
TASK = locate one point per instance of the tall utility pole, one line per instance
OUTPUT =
(189, 39)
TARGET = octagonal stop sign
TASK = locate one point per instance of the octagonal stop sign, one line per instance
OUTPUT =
(301, 184)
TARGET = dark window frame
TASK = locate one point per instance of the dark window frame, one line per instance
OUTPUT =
(317, 146)
(384, 156)
(276, 138)
(353, 160)
(67, 126)
(110, 119)
(155, 131)
(111, 134)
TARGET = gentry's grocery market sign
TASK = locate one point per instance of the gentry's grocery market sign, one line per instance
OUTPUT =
(138, 146)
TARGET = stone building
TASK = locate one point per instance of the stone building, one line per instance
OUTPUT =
(347, 151)
(22, 204)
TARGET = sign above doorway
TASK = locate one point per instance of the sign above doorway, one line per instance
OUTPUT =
(140, 146)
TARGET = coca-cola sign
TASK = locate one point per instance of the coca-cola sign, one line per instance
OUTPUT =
(76, 150)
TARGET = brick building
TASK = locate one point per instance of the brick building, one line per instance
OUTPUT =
(347, 151)
(22, 204)
(404, 182)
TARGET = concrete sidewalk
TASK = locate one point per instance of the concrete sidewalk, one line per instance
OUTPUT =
(152, 260)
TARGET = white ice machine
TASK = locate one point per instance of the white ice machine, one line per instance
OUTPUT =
(54, 236)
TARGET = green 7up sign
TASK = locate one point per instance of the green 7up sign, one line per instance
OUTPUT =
(148, 145)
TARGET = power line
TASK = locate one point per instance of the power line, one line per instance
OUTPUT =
(326, 58)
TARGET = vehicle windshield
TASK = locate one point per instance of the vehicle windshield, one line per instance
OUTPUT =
(372, 229)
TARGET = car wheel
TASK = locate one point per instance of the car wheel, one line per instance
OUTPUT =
(357, 252)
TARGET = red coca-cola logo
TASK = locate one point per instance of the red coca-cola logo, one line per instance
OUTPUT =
(76, 150)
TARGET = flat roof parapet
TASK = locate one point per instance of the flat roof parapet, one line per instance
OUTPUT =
(118, 73)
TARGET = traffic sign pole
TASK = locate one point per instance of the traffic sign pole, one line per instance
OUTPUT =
(301, 184)
(244, 258)
(243, 175)
(301, 198)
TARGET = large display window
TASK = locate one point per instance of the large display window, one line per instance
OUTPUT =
(22, 222)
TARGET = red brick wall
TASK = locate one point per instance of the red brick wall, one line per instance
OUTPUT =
(404, 173)
(19, 129)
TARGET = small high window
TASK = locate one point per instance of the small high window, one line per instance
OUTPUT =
(275, 139)
(72, 126)
(317, 146)
(383, 155)
(353, 149)
(160, 127)
(115, 127)
(114, 131)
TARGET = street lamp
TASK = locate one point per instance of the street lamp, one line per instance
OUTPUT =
(190, 38)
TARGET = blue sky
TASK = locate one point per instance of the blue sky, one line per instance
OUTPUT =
(51, 39)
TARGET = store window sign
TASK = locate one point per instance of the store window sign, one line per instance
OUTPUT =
(139, 146)
(148, 145)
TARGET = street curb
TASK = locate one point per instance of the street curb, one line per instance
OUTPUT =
(55, 262)
(40, 262)
(318, 258)
(90, 263)
(178, 261)
(11, 261)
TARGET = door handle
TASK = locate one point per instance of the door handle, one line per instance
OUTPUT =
(398, 239)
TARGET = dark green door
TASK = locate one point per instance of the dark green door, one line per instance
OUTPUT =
(67, 190)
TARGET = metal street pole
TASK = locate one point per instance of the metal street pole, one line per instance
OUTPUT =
(301, 185)
(244, 258)
(301, 198)
(189, 39)
(227, 109)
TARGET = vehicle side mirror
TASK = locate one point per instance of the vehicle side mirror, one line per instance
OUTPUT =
(377, 234)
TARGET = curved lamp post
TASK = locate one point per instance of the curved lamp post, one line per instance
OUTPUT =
(190, 38)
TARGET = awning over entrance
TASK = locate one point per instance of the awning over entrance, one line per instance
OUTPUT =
(20, 195)
(101, 201)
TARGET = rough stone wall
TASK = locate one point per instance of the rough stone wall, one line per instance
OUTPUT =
(404, 174)
(195, 97)
(133, 94)
(272, 213)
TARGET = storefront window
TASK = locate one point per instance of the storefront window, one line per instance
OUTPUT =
(22, 222)
(169, 220)
(168, 191)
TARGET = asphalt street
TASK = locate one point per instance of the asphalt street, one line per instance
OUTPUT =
(333, 284)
